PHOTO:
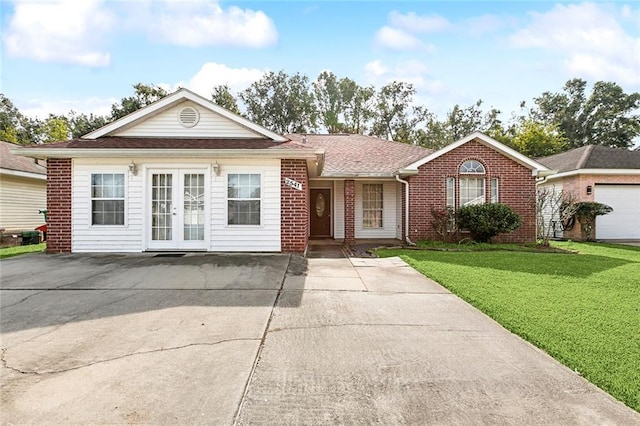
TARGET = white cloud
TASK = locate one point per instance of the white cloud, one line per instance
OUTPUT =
(213, 74)
(206, 23)
(42, 108)
(414, 72)
(591, 39)
(418, 24)
(66, 31)
(395, 39)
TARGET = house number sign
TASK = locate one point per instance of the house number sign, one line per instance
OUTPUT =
(292, 183)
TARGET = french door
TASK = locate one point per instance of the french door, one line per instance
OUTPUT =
(178, 209)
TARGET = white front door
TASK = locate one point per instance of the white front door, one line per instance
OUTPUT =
(178, 209)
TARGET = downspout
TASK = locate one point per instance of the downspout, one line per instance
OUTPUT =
(406, 210)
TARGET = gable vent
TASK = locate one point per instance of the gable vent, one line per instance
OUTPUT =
(188, 116)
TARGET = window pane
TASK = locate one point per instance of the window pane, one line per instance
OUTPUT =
(494, 190)
(372, 207)
(107, 212)
(243, 212)
(472, 166)
(471, 191)
(107, 193)
(451, 192)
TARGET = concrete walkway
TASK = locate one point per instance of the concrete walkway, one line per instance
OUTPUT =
(365, 341)
(266, 339)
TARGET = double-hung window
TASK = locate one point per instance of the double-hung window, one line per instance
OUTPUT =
(243, 199)
(372, 207)
(472, 183)
(107, 198)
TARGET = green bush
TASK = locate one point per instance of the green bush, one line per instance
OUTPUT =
(586, 213)
(485, 221)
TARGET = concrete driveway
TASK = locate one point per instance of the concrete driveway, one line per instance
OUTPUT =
(264, 339)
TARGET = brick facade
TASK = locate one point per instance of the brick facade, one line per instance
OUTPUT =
(576, 186)
(59, 205)
(349, 212)
(516, 188)
(294, 206)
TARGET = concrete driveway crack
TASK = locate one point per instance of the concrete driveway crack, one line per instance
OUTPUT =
(102, 361)
(261, 346)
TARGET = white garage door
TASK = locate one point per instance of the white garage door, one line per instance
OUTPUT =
(624, 221)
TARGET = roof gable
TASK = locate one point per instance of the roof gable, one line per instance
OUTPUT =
(161, 118)
(511, 153)
(16, 163)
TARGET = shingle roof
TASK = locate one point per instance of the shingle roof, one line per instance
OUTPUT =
(10, 161)
(593, 157)
(349, 155)
(112, 142)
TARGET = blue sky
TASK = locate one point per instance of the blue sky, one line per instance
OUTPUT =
(84, 55)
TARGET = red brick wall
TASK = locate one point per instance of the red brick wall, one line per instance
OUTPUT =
(349, 212)
(516, 188)
(59, 205)
(294, 207)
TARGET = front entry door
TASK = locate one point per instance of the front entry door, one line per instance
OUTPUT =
(178, 209)
(320, 213)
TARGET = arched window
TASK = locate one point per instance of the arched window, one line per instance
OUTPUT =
(472, 183)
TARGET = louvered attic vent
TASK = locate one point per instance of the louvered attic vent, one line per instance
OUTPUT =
(188, 116)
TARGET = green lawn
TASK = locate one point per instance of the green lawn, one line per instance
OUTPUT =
(16, 250)
(583, 309)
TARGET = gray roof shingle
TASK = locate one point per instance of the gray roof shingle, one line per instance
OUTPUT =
(14, 162)
(593, 157)
(358, 155)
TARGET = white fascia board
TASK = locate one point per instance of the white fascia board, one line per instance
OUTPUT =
(610, 172)
(172, 99)
(358, 176)
(19, 173)
(175, 153)
(486, 140)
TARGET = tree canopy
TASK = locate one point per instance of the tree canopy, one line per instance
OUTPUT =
(292, 103)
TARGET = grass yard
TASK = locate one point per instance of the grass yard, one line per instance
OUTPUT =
(583, 309)
(17, 250)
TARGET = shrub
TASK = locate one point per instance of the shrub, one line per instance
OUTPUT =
(444, 223)
(586, 213)
(485, 221)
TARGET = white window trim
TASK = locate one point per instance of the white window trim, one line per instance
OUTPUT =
(227, 199)
(125, 198)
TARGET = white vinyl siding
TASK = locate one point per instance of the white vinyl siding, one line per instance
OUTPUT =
(166, 124)
(263, 237)
(121, 238)
(551, 217)
(20, 200)
(133, 236)
(389, 221)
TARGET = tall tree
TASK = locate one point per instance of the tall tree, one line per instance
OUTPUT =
(81, 124)
(329, 102)
(54, 129)
(396, 118)
(608, 116)
(532, 138)
(14, 126)
(222, 96)
(144, 95)
(281, 102)
(359, 106)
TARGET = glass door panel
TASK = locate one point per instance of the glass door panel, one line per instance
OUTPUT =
(162, 207)
(193, 207)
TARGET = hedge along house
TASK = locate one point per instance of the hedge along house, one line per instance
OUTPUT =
(186, 174)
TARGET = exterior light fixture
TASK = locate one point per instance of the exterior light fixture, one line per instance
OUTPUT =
(589, 189)
(216, 168)
(133, 168)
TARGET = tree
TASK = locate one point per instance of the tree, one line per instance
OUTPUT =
(607, 117)
(281, 102)
(329, 101)
(82, 124)
(533, 139)
(358, 103)
(54, 129)
(222, 96)
(395, 117)
(14, 126)
(554, 207)
(144, 95)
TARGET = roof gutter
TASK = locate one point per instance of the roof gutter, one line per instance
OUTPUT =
(406, 210)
